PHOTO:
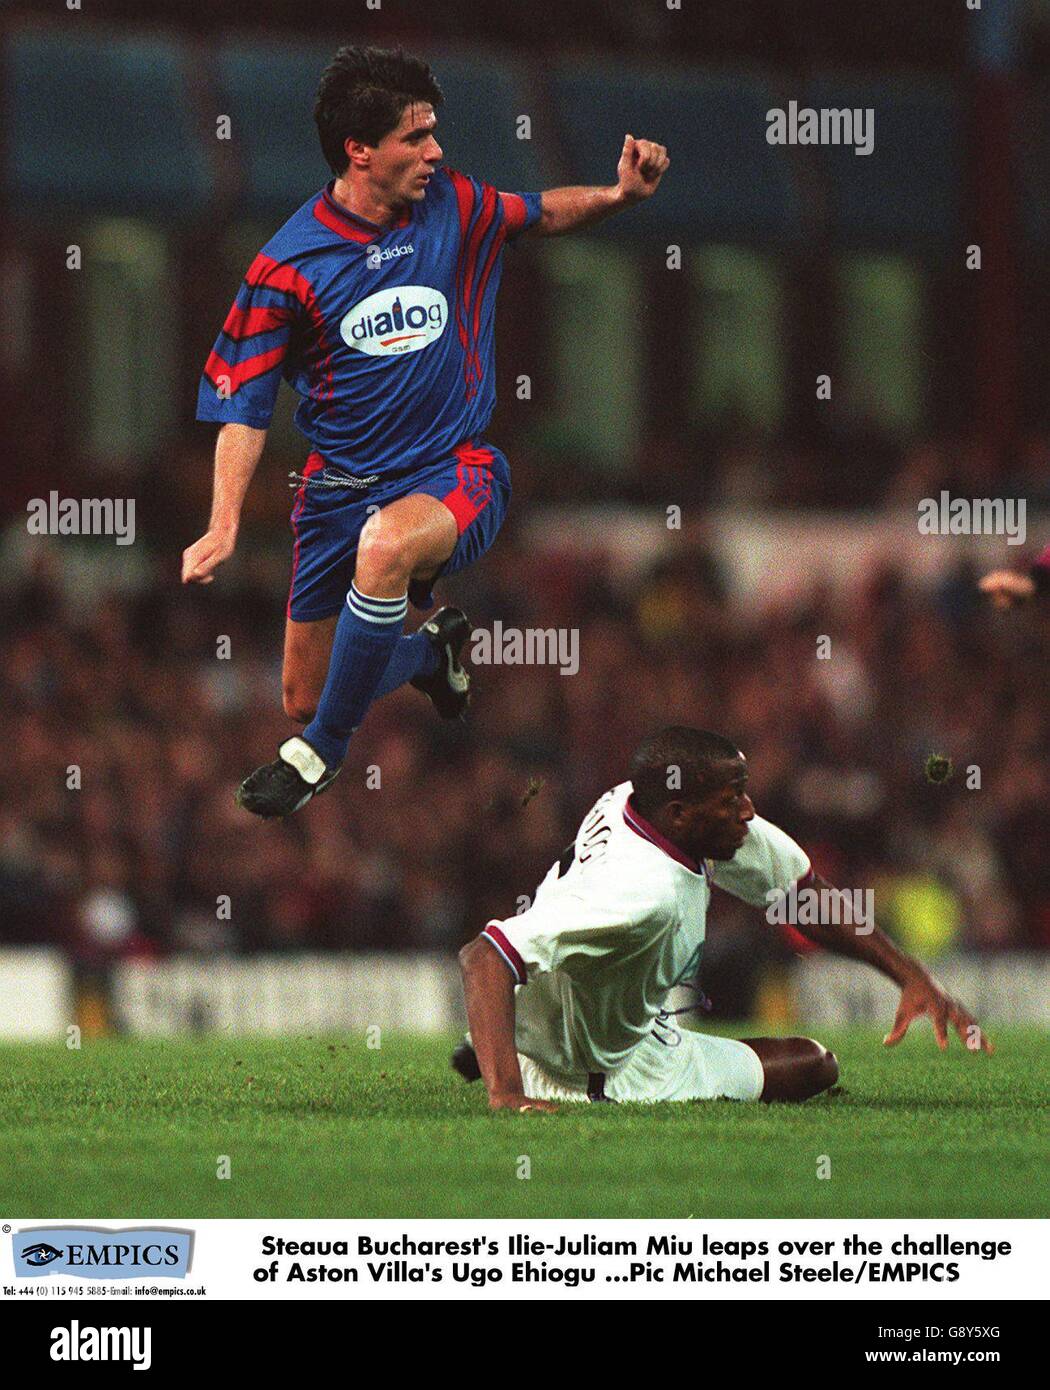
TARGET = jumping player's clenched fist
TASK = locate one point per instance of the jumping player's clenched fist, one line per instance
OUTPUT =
(642, 165)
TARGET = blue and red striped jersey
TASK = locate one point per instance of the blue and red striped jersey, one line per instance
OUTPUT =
(386, 333)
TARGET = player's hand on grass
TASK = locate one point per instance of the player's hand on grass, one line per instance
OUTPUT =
(1007, 587)
(518, 1101)
(642, 165)
(203, 557)
(923, 995)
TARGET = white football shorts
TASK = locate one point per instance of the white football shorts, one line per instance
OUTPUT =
(700, 1067)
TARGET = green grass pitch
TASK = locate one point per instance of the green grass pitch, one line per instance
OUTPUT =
(324, 1127)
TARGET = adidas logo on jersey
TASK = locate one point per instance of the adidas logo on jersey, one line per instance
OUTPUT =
(390, 254)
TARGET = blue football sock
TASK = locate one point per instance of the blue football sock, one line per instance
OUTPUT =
(366, 636)
(413, 656)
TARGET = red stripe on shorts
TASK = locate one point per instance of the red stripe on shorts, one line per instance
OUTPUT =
(314, 464)
(474, 488)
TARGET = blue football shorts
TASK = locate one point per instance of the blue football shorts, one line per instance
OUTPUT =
(329, 512)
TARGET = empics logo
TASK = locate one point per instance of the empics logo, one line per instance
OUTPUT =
(40, 1255)
(76, 1343)
(398, 320)
(94, 1253)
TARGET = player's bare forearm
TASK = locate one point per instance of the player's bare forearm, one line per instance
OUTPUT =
(920, 992)
(238, 449)
(642, 165)
(569, 209)
(860, 941)
(488, 988)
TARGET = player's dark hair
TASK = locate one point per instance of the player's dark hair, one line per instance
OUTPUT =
(677, 763)
(362, 94)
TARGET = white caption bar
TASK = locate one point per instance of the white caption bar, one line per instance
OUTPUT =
(695, 1259)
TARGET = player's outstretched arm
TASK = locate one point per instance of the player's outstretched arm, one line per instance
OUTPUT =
(920, 992)
(489, 990)
(642, 165)
(237, 453)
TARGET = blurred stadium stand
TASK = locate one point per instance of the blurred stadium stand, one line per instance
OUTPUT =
(730, 185)
(74, 144)
(266, 88)
(907, 194)
(796, 260)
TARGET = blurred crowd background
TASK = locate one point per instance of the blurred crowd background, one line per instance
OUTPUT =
(646, 386)
(128, 689)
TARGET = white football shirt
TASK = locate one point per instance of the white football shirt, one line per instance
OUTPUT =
(603, 943)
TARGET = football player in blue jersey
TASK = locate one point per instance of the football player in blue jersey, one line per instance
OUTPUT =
(376, 302)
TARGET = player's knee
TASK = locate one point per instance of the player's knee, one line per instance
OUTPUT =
(299, 704)
(382, 557)
(819, 1065)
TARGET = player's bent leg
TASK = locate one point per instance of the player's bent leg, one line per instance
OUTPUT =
(407, 539)
(413, 537)
(476, 494)
(700, 1066)
(677, 1064)
(410, 535)
(794, 1068)
(307, 651)
(538, 1084)
(289, 782)
(442, 680)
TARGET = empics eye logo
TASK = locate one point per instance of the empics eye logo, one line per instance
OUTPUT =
(40, 1254)
(91, 1252)
(394, 321)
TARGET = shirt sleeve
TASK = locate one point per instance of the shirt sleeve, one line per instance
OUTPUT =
(767, 859)
(564, 927)
(520, 212)
(482, 207)
(243, 372)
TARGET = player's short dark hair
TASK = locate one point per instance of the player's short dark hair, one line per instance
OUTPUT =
(695, 753)
(362, 94)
